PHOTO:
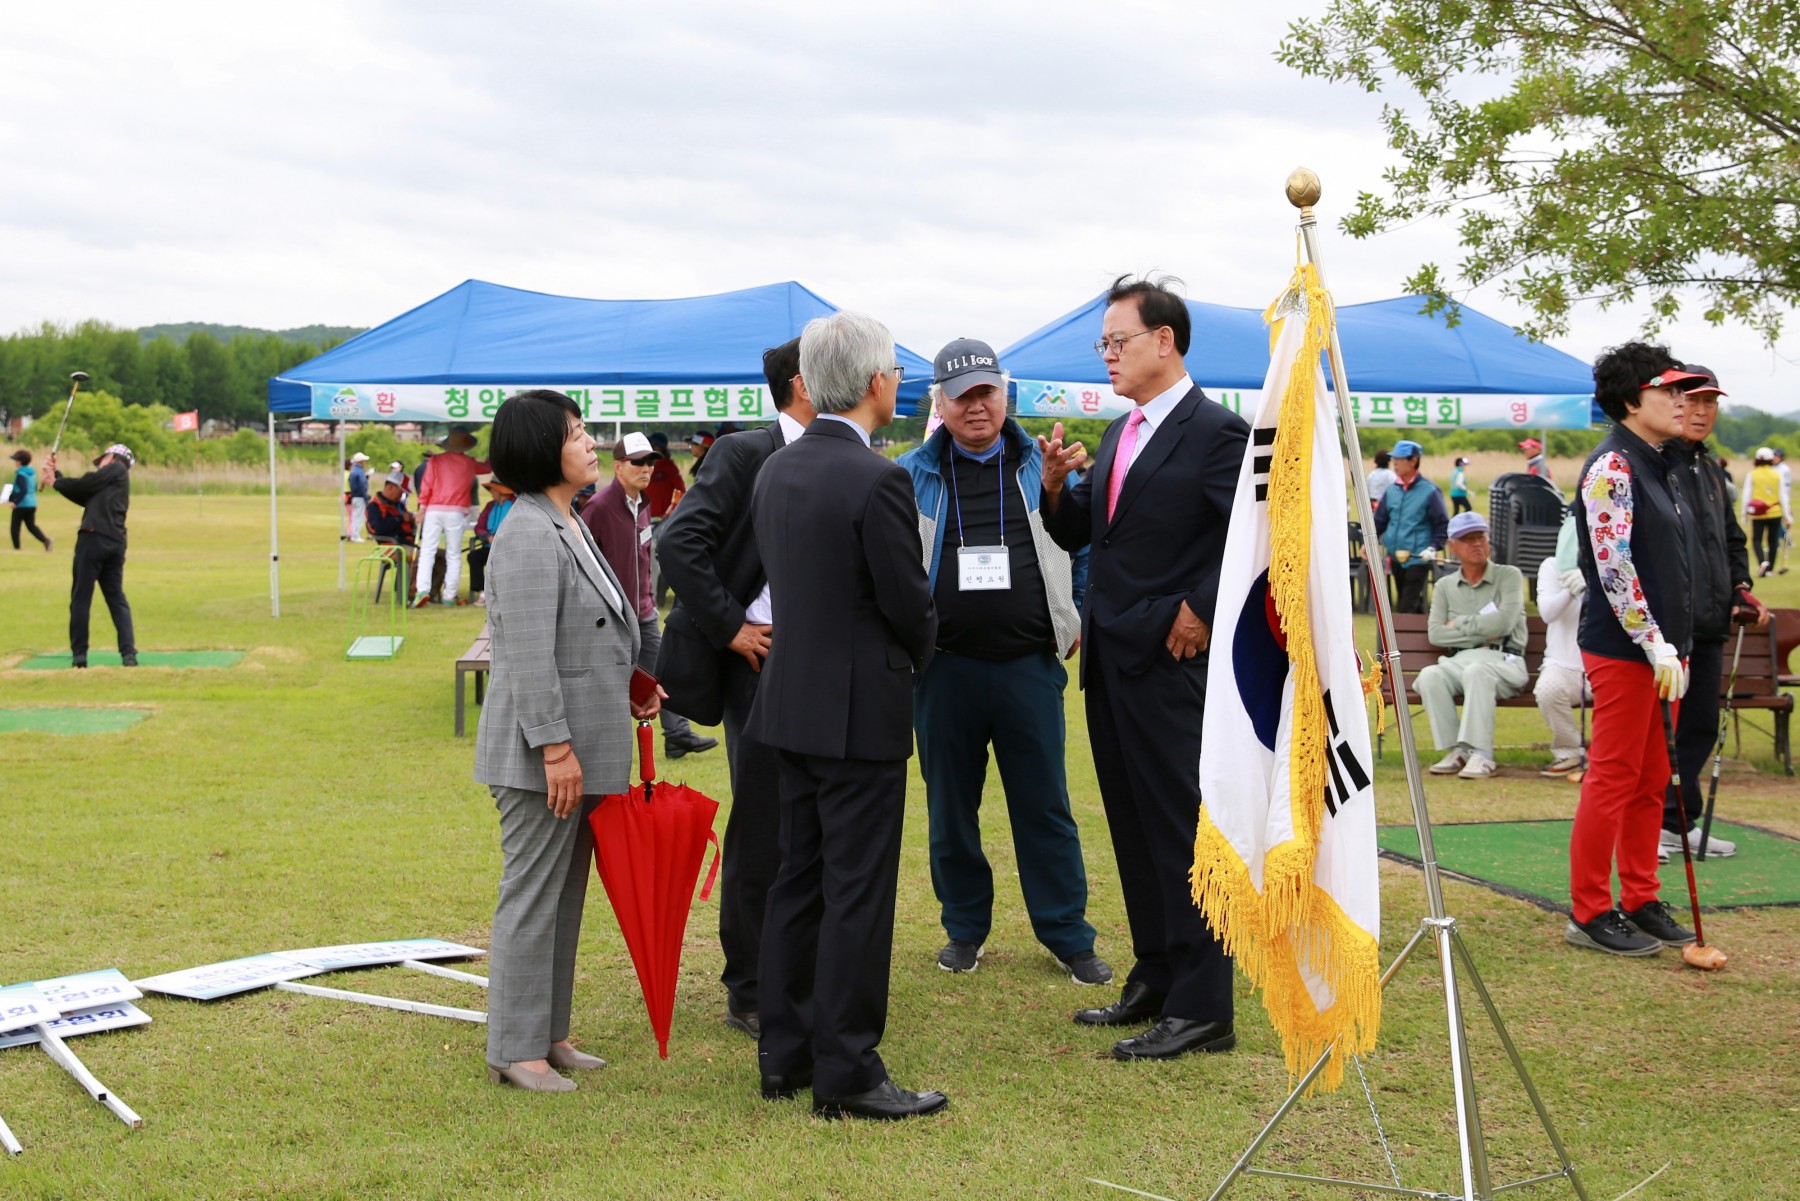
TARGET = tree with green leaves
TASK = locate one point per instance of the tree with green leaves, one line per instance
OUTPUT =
(1605, 151)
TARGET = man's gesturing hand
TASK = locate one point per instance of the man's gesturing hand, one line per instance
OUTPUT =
(752, 642)
(1059, 460)
(1188, 636)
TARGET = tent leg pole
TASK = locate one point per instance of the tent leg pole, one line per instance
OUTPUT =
(343, 538)
(274, 533)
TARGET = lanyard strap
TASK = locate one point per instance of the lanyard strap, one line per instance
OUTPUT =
(956, 492)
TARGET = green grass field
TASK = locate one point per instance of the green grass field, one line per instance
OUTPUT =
(297, 799)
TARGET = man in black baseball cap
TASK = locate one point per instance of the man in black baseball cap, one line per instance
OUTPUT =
(1006, 623)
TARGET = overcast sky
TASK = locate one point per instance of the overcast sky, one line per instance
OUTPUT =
(973, 168)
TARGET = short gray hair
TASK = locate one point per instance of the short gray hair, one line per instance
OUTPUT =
(839, 355)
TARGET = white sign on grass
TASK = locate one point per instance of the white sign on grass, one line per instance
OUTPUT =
(371, 954)
(215, 980)
(85, 990)
(83, 1021)
(23, 1005)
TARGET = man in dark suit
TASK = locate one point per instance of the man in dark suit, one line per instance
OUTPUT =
(838, 533)
(712, 657)
(1154, 511)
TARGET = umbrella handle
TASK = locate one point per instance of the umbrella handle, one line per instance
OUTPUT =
(712, 873)
(646, 740)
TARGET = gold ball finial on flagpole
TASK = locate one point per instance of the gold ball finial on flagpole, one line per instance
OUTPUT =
(1303, 188)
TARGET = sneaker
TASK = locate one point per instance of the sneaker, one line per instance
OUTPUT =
(1716, 848)
(48, 543)
(128, 660)
(420, 600)
(78, 661)
(1653, 919)
(1450, 764)
(958, 956)
(1765, 571)
(1479, 767)
(481, 600)
(1562, 767)
(1610, 932)
(1084, 967)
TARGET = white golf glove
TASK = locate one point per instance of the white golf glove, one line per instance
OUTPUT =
(1671, 673)
(1574, 581)
(1428, 555)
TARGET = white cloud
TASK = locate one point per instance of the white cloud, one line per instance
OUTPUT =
(956, 168)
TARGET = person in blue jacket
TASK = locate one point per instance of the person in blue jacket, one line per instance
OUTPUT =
(1006, 622)
(24, 500)
(1413, 524)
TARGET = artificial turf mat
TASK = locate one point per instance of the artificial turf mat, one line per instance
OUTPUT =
(1531, 860)
(145, 659)
(68, 721)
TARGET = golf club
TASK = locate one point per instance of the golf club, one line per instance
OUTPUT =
(79, 378)
(1696, 954)
(1712, 787)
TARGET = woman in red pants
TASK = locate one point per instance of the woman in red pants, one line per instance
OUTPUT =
(1636, 630)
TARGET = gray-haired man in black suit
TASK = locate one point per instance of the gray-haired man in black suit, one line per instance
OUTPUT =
(838, 531)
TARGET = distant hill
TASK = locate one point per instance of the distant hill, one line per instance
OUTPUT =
(313, 335)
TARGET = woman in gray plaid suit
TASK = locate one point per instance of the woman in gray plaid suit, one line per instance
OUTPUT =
(555, 731)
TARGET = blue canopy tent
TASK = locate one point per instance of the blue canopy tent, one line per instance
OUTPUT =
(694, 360)
(1405, 368)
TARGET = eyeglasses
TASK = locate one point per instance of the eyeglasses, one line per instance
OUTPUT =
(899, 373)
(1115, 343)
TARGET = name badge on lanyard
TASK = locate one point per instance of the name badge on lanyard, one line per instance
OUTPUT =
(983, 569)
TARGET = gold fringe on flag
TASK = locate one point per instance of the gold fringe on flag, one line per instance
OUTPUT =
(1293, 923)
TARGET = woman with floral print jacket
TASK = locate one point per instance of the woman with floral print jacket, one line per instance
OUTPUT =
(1636, 631)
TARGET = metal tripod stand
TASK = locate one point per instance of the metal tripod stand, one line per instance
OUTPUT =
(1438, 926)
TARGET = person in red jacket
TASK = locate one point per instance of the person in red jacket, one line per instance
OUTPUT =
(619, 516)
(444, 496)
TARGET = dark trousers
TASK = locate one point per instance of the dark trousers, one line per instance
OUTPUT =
(478, 557)
(828, 939)
(960, 705)
(674, 725)
(26, 519)
(1459, 504)
(1145, 731)
(1765, 538)
(99, 560)
(1411, 580)
(1696, 730)
(752, 847)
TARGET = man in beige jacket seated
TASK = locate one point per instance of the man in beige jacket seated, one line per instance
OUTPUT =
(1478, 615)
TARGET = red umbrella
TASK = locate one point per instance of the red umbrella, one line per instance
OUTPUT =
(649, 843)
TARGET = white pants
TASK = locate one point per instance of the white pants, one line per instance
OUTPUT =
(450, 524)
(359, 507)
(1558, 690)
(1480, 677)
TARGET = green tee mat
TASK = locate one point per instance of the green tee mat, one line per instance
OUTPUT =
(145, 659)
(68, 721)
(1530, 860)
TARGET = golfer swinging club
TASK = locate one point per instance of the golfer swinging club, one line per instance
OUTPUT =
(104, 495)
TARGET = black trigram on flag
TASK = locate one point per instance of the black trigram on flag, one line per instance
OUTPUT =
(1262, 452)
(1342, 761)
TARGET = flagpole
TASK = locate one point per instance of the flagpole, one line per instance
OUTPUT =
(1303, 191)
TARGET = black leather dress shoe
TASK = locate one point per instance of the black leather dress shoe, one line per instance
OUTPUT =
(745, 1020)
(886, 1102)
(1136, 1004)
(784, 1088)
(1172, 1038)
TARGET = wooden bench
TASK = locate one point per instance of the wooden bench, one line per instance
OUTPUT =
(1758, 677)
(473, 661)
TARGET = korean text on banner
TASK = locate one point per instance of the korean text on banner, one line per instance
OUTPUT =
(1285, 857)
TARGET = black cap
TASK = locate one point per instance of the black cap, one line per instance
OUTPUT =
(964, 364)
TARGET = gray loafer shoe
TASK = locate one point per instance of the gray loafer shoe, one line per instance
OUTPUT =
(531, 1082)
(567, 1059)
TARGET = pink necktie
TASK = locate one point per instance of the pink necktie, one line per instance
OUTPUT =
(1122, 460)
